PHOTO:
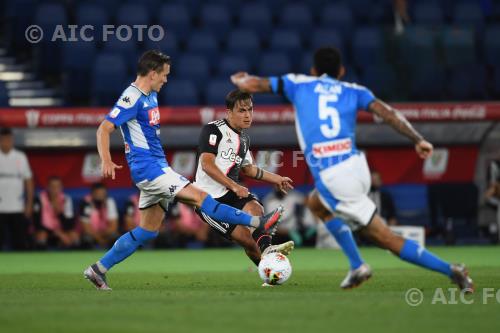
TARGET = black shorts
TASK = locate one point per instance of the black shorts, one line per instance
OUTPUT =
(230, 199)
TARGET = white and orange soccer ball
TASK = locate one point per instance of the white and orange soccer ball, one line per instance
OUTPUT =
(275, 268)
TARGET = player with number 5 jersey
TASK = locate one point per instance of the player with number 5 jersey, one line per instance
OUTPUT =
(326, 110)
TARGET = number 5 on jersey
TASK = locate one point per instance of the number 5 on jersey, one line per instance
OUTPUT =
(326, 112)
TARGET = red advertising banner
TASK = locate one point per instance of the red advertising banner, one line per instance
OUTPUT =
(80, 168)
(279, 114)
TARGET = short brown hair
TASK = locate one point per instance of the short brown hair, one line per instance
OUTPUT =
(152, 60)
(236, 95)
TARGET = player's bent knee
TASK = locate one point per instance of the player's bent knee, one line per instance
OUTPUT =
(254, 208)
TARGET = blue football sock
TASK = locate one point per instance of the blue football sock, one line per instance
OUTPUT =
(418, 255)
(221, 212)
(126, 245)
(343, 236)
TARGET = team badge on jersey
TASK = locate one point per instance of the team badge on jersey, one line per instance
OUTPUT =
(114, 113)
(212, 140)
(154, 116)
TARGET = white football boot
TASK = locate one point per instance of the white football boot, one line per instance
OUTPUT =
(356, 277)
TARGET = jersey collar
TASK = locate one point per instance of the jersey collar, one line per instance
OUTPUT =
(136, 87)
(234, 129)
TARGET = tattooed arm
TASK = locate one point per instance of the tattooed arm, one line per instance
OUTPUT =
(397, 121)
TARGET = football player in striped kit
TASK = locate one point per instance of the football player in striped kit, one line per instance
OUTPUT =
(224, 153)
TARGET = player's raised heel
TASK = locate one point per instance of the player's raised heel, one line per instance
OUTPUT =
(270, 221)
(356, 277)
(460, 276)
(97, 279)
(284, 248)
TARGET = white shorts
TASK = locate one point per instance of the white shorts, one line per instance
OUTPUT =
(162, 189)
(343, 189)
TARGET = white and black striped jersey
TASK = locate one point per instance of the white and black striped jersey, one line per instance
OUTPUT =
(231, 149)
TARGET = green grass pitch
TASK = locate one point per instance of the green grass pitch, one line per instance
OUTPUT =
(219, 291)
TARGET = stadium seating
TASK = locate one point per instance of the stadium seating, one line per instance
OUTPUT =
(339, 17)
(230, 64)
(418, 47)
(227, 35)
(287, 41)
(468, 14)
(215, 18)
(169, 44)
(367, 46)
(256, 17)
(132, 14)
(175, 17)
(48, 53)
(216, 91)
(179, 92)
(274, 63)
(458, 46)
(109, 78)
(244, 43)
(205, 43)
(297, 17)
(94, 15)
(382, 81)
(77, 61)
(4, 97)
(495, 84)
(467, 82)
(427, 83)
(491, 45)
(327, 37)
(194, 67)
(428, 13)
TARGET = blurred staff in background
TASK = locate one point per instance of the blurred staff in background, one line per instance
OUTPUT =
(298, 223)
(382, 199)
(131, 217)
(99, 217)
(492, 199)
(16, 193)
(53, 217)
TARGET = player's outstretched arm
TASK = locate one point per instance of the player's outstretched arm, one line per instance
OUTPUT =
(103, 134)
(251, 83)
(208, 165)
(284, 184)
(398, 121)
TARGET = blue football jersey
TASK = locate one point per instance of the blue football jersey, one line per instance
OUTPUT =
(325, 116)
(138, 117)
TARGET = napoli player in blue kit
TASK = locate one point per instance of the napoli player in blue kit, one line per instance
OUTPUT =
(137, 116)
(325, 120)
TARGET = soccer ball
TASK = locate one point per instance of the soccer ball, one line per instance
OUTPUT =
(275, 268)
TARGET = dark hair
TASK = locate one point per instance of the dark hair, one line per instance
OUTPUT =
(236, 95)
(152, 60)
(97, 186)
(327, 60)
(6, 131)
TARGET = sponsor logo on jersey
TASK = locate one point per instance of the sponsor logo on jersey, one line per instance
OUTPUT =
(228, 137)
(332, 148)
(154, 116)
(231, 156)
(114, 113)
(212, 140)
(125, 102)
